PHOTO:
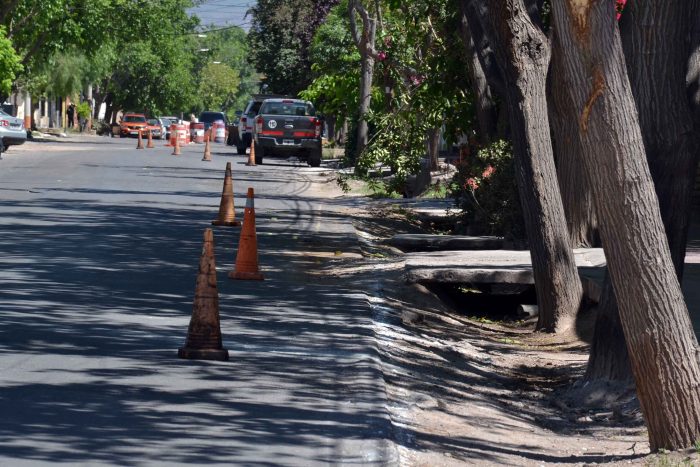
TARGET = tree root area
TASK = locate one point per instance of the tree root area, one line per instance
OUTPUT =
(465, 389)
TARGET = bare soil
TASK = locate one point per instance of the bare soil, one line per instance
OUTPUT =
(473, 391)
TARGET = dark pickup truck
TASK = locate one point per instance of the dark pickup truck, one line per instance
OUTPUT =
(288, 127)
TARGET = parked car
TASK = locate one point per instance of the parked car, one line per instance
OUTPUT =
(288, 127)
(156, 128)
(166, 122)
(131, 124)
(243, 137)
(12, 131)
(208, 117)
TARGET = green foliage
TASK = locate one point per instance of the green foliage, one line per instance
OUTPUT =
(484, 188)
(230, 47)
(218, 86)
(400, 145)
(280, 37)
(10, 64)
(83, 109)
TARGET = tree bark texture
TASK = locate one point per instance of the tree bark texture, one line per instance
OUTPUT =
(523, 54)
(660, 338)
(365, 41)
(693, 74)
(656, 39)
(575, 191)
(608, 359)
(486, 111)
(432, 139)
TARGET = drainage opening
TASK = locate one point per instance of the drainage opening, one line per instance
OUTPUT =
(497, 302)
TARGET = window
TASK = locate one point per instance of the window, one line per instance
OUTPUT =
(299, 109)
(135, 119)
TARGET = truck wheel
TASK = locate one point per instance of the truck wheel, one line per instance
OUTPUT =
(259, 154)
(314, 159)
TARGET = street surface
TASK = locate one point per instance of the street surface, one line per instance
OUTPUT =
(99, 248)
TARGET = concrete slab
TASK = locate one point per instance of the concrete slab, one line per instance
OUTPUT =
(423, 242)
(485, 266)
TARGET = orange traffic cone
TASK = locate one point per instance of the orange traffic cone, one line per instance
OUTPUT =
(227, 213)
(251, 158)
(139, 145)
(176, 150)
(247, 257)
(204, 333)
(150, 144)
(207, 148)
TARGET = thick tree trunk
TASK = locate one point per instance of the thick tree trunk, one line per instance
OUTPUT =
(523, 55)
(656, 41)
(568, 153)
(667, 128)
(486, 111)
(608, 360)
(660, 338)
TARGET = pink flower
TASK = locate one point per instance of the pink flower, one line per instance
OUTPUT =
(381, 56)
(471, 183)
(619, 6)
(416, 80)
(488, 171)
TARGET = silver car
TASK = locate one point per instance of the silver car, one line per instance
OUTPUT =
(12, 131)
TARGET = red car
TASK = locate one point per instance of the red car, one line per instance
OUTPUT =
(131, 124)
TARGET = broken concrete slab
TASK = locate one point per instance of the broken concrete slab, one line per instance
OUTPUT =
(486, 266)
(423, 242)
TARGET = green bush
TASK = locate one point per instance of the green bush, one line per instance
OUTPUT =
(484, 188)
(83, 109)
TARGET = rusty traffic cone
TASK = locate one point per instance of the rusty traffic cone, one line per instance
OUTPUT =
(207, 148)
(204, 333)
(247, 256)
(227, 213)
(176, 150)
(150, 144)
(139, 145)
(251, 158)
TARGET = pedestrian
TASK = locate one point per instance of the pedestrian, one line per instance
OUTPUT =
(71, 115)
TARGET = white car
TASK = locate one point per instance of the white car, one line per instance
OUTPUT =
(12, 131)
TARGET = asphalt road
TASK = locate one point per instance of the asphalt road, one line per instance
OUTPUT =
(99, 247)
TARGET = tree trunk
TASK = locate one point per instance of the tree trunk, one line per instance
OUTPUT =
(433, 144)
(656, 65)
(568, 153)
(522, 53)
(365, 42)
(486, 111)
(660, 338)
(330, 121)
(667, 128)
(608, 359)
(366, 77)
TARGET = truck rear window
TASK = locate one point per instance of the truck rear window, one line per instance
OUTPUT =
(211, 117)
(284, 108)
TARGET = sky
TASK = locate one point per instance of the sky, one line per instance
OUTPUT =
(223, 13)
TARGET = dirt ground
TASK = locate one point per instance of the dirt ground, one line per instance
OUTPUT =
(474, 391)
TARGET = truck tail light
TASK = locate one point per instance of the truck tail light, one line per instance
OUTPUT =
(259, 125)
(317, 128)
